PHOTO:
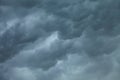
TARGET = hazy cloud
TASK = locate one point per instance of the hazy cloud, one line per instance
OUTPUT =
(59, 39)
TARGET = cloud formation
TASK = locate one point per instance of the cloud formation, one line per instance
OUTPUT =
(59, 39)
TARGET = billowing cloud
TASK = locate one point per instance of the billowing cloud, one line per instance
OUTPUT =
(59, 39)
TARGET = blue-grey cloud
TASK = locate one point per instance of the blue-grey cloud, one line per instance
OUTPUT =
(59, 39)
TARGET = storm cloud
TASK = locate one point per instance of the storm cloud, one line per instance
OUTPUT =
(59, 39)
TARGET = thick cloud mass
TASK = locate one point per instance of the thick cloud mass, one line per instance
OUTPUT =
(59, 39)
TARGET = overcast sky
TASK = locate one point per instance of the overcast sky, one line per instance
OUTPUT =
(59, 39)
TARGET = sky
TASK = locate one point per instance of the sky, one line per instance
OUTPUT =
(59, 39)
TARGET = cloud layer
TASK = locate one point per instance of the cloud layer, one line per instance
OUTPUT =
(59, 39)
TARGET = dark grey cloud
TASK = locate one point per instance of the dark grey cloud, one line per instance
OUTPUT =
(18, 3)
(59, 39)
